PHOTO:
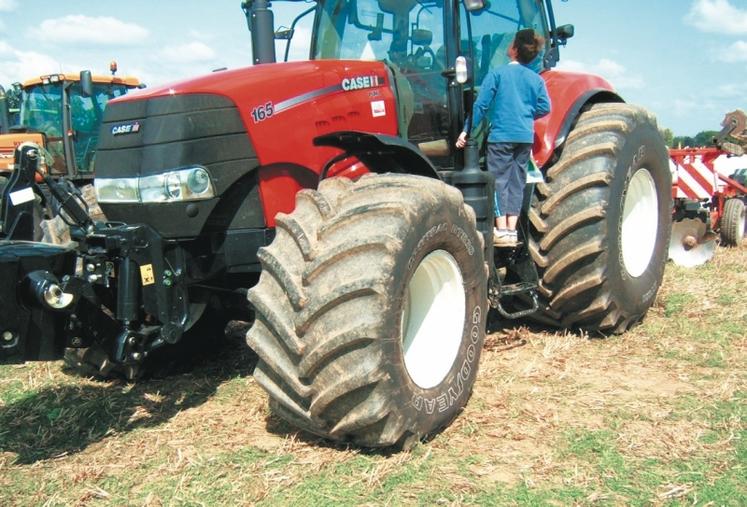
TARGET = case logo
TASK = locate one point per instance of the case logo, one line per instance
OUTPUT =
(126, 128)
(360, 82)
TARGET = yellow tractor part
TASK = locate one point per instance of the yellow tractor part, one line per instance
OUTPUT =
(45, 102)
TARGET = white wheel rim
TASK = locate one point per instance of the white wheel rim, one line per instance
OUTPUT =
(433, 319)
(640, 223)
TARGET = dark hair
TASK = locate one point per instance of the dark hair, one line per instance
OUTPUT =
(527, 44)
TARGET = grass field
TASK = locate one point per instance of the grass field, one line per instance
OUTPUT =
(656, 416)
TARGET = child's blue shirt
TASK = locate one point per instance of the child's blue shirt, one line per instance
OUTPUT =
(514, 96)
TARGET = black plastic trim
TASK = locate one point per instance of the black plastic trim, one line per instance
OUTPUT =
(381, 153)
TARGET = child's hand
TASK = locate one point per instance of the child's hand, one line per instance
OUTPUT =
(462, 141)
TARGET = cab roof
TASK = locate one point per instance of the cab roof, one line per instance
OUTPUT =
(97, 79)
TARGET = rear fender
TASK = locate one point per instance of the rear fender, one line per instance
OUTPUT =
(569, 93)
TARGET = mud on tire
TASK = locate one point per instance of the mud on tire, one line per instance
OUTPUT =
(352, 275)
(600, 225)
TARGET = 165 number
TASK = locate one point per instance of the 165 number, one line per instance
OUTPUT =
(261, 113)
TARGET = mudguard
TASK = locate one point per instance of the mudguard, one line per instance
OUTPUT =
(380, 153)
(569, 93)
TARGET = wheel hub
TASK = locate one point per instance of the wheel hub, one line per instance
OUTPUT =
(640, 222)
(433, 319)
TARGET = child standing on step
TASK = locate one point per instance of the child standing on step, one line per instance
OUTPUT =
(514, 96)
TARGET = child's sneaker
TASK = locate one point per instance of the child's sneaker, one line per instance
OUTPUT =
(505, 238)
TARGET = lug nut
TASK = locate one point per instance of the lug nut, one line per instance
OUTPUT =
(8, 336)
(136, 356)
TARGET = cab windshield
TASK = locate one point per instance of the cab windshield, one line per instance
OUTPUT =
(87, 114)
(396, 31)
(493, 30)
(41, 111)
(409, 36)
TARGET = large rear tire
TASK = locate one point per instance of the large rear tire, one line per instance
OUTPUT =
(370, 310)
(733, 223)
(601, 222)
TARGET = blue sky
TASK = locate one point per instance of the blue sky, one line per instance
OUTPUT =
(686, 60)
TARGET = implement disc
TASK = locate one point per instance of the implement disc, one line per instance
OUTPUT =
(690, 244)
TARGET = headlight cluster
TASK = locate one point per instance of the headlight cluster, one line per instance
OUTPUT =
(190, 184)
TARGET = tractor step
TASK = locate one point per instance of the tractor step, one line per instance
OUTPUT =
(516, 246)
(498, 292)
(517, 288)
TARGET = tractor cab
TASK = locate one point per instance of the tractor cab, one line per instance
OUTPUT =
(420, 40)
(63, 112)
(4, 113)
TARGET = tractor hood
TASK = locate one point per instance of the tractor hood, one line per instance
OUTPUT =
(233, 123)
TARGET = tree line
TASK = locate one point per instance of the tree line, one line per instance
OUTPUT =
(700, 140)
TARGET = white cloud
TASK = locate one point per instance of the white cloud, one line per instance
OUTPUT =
(718, 16)
(737, 52)
(17, 65)
(80, 29)
(728, 91)
(8, 5)
(187, 53)
(612, 71)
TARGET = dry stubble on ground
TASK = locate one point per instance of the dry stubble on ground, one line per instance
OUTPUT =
(656, 416)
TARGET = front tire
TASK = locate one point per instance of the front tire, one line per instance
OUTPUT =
(733, 223)
(601, 223)
(370, 310)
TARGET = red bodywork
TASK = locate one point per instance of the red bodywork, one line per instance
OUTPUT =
(566, 90)
(286, 105)
(698, 180)
(304, 100)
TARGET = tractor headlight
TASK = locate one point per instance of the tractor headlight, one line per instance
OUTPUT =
(117, 189)
(190, 184)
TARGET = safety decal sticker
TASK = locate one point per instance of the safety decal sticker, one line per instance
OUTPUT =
(146, 274)
(22, 196)
(378, 108)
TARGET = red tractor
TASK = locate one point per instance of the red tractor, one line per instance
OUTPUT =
(331, 189)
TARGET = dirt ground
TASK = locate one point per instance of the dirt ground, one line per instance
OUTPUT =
(655, 416)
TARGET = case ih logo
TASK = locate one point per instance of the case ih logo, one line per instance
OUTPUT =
(359, 82)
(126, 128)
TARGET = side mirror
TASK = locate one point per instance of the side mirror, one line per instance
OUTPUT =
(377, 32)
(86, 83)
(564, 32)
(284, 34)
(421, 37)
(474, 5)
